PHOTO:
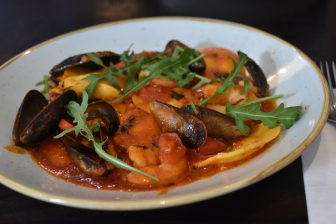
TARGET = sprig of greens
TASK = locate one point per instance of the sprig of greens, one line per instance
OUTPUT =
(110, 75)
(46, 85)
(82, 128)
(176, 66)
(194, 108)
(228, 82)
(172, 67)
(282, 115)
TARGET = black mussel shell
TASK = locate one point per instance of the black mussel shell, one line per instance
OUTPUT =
(83, 60)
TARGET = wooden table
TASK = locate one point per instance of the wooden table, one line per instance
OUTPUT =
(309, 25)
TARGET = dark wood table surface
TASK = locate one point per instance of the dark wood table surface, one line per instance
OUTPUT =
(309, 25)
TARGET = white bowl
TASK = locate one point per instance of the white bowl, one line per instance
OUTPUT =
(289, 71)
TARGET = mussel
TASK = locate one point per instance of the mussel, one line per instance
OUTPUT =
(82, 155)
(107, 115)
(83, 60)
(31, 105)
(37, 119)
(257, 75)
(85, 163)
(197, 67)
(108, 119)
(218, 125)
(189, 128)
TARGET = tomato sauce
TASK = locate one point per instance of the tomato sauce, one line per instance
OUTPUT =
(139, 128)
(52, 156)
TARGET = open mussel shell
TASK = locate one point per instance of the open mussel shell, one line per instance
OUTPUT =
(45, 121)
(109, 118)
(83, 60)
(85, 163)
(84, 157)
(218, 125)
(197, 67)
(189, 128)
(32, 104)
(257, 75)
(69, 141)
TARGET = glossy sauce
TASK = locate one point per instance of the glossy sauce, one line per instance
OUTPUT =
(52, 156)
(15, 149)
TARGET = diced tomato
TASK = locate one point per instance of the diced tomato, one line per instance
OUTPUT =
(64, 124)
(211, 146)
(155, 92)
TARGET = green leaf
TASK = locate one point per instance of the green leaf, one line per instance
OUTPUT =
(202, 80)
(247, 84)
(98, 146)
(194, 108)
(46, 85)
(141, 83)
(185, 79)
(96, 60)
(174, 67)
(93, 80)
(60, 135)
(282, 115)
(111, 78)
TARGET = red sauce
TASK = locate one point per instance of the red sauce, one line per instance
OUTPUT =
(15, 149)
(51, 156)
(139, 128)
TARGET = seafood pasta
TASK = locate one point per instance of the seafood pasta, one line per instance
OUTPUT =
(150, 120)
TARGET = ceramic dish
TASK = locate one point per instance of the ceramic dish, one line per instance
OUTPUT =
(289, 71)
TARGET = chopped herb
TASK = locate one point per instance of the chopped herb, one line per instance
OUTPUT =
(176, 95)
(173, 67)
(78, 112)
(96, 60)
(110, 75)
(93, 80)
(202, 80)
(46, 85)
(194, 108)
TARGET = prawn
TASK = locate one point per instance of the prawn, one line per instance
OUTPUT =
(168, 161)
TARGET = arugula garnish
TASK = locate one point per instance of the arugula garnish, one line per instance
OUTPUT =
(194, 108)
(176, 67)
(285, 116)
(110, 75)
(228, 82)
(173, 67)
(82, 128)
(46, 85)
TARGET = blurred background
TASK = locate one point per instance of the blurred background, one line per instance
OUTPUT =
(307, 24)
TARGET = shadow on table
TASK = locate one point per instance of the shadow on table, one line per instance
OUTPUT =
(311, 152)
